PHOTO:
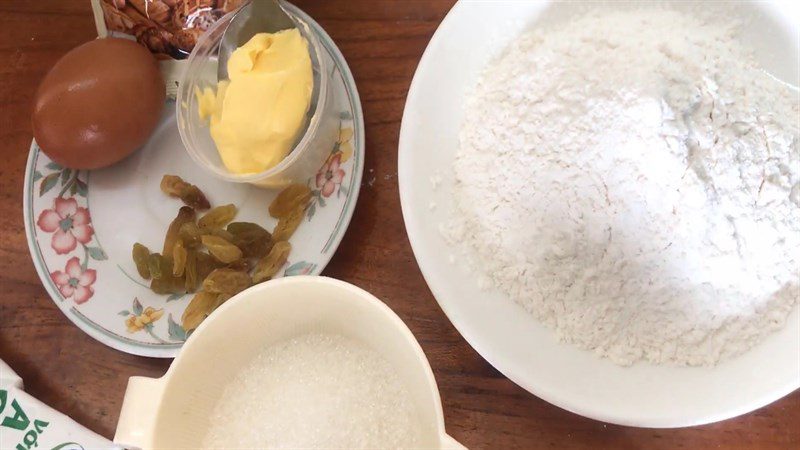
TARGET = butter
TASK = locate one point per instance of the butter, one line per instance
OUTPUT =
(256, 116)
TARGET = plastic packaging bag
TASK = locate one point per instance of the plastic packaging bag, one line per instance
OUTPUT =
(27, 424)
(168, 28)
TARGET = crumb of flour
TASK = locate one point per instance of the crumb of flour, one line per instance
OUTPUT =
(435, 180)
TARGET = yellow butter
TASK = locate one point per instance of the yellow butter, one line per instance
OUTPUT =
(256, 117)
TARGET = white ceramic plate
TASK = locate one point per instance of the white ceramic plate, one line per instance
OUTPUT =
(500, 330)
(81, 225)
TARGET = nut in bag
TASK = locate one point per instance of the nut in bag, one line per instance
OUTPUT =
(168, 28)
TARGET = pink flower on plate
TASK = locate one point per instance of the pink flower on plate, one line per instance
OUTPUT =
(74, 281)
(71, 224)
(330, 175)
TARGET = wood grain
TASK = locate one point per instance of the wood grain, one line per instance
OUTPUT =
(382, 41)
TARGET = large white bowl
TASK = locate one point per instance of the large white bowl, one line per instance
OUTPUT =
(500, 330)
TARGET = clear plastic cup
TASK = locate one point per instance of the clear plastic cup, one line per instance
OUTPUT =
(311, 148)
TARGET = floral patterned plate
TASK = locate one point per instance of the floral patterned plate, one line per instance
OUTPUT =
(81, 224)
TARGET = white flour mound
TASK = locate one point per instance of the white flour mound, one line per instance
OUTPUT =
(633, 180)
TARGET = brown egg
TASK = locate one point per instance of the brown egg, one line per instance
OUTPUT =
(100, 102)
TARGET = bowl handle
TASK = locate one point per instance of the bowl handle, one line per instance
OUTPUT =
(137, 419)
(448, 443)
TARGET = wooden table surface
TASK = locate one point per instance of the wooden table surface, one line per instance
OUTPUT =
(382, 41)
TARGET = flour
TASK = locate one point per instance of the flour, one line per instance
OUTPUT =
(633, 180)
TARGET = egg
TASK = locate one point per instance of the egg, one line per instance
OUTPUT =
(99, 103)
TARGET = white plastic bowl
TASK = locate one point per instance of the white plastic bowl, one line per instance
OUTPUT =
(503, 332)
(174, 411)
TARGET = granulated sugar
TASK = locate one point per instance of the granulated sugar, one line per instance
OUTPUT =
(315, 391)
(633, 180)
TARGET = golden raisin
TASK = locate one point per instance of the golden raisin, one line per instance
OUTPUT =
(155, 265)
(140, 255)
(288, 224)
(290, 198)
(221, 249)
(198, 309)
(253, 240)
(272, 263)
(179, 254)
(227, 281)
(218, 217)
(191, 195)
(205, 265)
(185, 215)
(190, 274)
(190, 234)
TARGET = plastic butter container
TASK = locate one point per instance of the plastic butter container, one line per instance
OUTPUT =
(321, 130)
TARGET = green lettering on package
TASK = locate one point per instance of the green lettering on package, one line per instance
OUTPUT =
(20, 421)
